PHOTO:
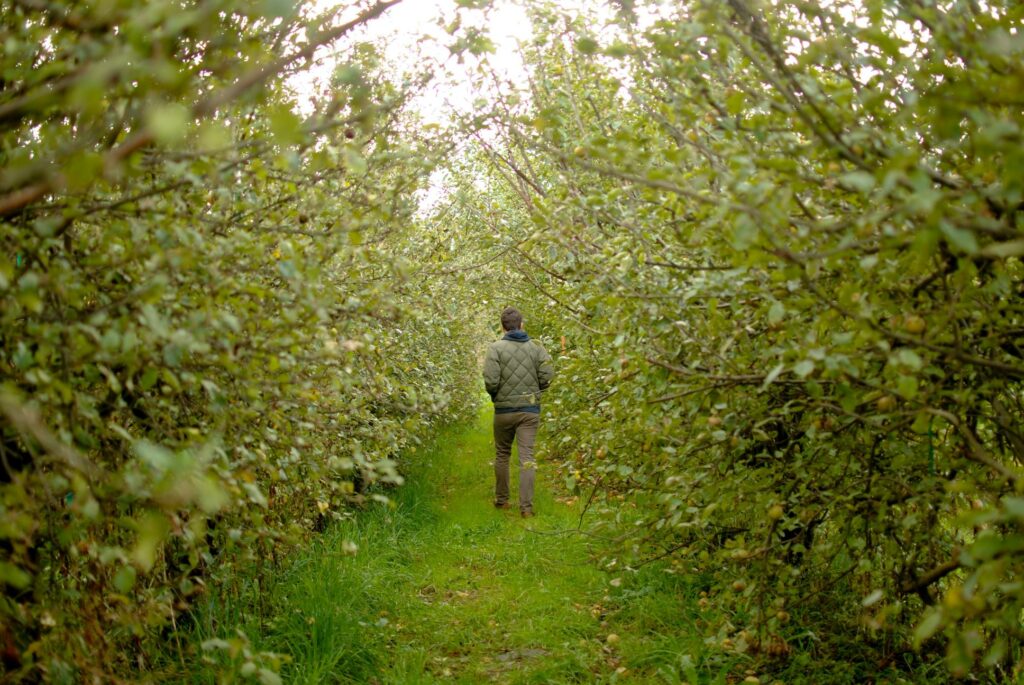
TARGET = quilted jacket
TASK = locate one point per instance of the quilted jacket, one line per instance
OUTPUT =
(516, 371)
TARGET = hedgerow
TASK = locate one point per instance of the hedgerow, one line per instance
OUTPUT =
(783, 242)
(211, 340)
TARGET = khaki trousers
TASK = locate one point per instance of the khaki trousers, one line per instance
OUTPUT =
(520, 427)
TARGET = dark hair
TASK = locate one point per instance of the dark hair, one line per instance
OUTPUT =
(511, 319)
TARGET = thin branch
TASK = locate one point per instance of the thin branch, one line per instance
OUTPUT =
(977, 452)
(18, 199)
(27, 422)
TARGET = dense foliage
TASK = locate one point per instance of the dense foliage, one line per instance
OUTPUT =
(777, 246)
(783, 242)
(211, 340)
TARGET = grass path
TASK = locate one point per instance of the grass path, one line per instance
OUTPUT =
(446, 589)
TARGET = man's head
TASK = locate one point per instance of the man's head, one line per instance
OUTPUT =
(511, 319)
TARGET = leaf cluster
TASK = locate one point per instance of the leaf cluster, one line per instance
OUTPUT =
(783, 242)
(211, 342)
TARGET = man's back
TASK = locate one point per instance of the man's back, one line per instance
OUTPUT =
(516, 371)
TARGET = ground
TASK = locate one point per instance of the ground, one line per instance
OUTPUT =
(444, 588)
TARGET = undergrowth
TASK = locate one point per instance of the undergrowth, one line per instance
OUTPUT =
(438, 586)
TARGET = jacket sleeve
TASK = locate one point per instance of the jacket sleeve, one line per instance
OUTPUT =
(492, 371)
(545, 371)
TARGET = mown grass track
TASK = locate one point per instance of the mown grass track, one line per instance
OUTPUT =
(444, 588)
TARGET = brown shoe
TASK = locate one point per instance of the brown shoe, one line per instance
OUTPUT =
(526, 514)
(505, 505)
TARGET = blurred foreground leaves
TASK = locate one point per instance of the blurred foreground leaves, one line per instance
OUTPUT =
(209, 343)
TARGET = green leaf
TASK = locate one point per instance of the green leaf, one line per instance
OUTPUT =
(1010, 248)
(168, 122)
(861, 181)
(255, 495)
(1014, 506)
(587, 45)
(276, 9)
(214, 135)
(772, 375)
(214, 644)
(355, 162)
(928, 626)
(910, 359)
(348, 75)
(923, 200)
(617, 49)
(987, 545)
(14, 576)
(211, 495)
(157, 456)
(744, 233)
(815, 389)
(959, 238)
(906, 386)
(285, 125)
(996, 653)
(149, 378)
(804, 368)
(152, 531)
(82, 169)
(124, 579)
(268, 677)
(736, 102)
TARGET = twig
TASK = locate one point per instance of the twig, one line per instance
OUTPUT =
(18, 199)
(980, 454)
(27, 422)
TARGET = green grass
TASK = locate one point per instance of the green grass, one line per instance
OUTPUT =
(445, 588)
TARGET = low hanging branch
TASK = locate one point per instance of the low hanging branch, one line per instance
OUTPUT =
(977, 451)
(22, 197)
(29, 424)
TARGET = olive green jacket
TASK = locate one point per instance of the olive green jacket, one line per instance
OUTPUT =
(516, 371)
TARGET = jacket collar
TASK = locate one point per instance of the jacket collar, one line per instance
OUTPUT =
(516, 336)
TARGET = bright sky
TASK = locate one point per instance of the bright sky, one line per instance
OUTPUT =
(505, 23)
(413, 33)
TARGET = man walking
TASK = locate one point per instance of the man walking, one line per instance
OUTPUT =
(516, 371)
